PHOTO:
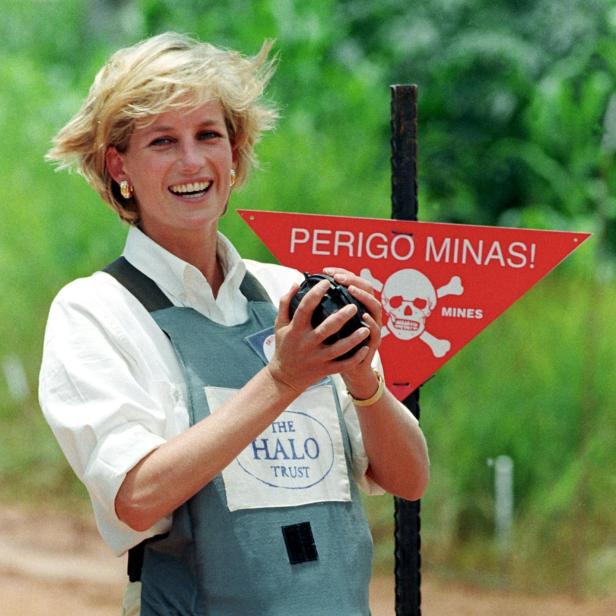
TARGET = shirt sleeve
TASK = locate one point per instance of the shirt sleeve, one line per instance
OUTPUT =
(104, 412)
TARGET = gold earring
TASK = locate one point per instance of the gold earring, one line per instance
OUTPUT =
(232, 178)
(126, 190)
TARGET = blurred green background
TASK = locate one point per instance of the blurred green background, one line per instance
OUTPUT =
(517, 127)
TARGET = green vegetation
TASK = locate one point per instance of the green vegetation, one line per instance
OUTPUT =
(517, 127)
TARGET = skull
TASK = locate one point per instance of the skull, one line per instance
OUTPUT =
(408, 298)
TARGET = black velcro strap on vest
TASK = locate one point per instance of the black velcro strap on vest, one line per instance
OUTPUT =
(135, 562)
(299, 542)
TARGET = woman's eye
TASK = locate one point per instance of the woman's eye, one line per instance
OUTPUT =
(208, 134)
(161, 141)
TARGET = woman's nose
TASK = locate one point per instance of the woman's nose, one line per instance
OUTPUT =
(190, 157)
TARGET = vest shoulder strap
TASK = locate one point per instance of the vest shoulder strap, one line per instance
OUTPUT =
(150, 295)
(142, 287)
(253, 290)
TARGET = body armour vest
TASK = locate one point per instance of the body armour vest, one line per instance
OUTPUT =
(281, 531)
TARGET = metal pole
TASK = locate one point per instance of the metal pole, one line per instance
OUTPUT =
(404, 207)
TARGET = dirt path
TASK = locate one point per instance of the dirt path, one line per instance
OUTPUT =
(52, 565)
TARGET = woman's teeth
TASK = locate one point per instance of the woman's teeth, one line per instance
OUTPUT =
(190, 189)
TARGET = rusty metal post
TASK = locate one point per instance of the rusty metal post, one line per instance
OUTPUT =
(404, 207)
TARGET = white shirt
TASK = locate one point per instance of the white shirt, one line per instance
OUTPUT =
(110, 385)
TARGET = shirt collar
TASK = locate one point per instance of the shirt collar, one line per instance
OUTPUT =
(182, 282)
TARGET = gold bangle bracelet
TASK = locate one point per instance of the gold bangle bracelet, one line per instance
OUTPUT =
(375, 397)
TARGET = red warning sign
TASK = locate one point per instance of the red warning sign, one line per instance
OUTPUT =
(439, 284)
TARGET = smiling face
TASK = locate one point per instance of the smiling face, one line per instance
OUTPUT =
(180, 168)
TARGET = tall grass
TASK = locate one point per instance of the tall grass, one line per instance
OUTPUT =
(534, 386)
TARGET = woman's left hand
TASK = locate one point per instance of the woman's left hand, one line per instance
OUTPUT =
(401, 467)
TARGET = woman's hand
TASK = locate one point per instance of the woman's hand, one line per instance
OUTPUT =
(359, 378)
(301, 357)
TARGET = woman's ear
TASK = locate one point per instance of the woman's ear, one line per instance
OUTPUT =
(115, 164)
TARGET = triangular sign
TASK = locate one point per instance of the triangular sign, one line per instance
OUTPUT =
(439, 284)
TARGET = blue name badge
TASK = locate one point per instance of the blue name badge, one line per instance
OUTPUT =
(263, 343)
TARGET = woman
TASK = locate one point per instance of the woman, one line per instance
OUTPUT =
(232, 479)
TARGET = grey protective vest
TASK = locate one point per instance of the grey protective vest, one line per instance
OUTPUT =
(306, 560)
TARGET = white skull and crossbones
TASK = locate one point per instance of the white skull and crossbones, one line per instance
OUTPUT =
(408, 299)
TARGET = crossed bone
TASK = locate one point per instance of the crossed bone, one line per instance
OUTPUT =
(438, 346)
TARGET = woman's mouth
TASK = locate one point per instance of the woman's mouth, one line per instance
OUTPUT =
(190, 190)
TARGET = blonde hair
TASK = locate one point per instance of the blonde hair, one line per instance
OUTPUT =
(166, 72)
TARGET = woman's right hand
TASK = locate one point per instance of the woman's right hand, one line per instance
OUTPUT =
(301, 358)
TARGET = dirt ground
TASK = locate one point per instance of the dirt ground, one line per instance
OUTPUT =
(54, 565)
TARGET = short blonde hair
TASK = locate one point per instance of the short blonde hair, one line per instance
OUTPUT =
(168, 71)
